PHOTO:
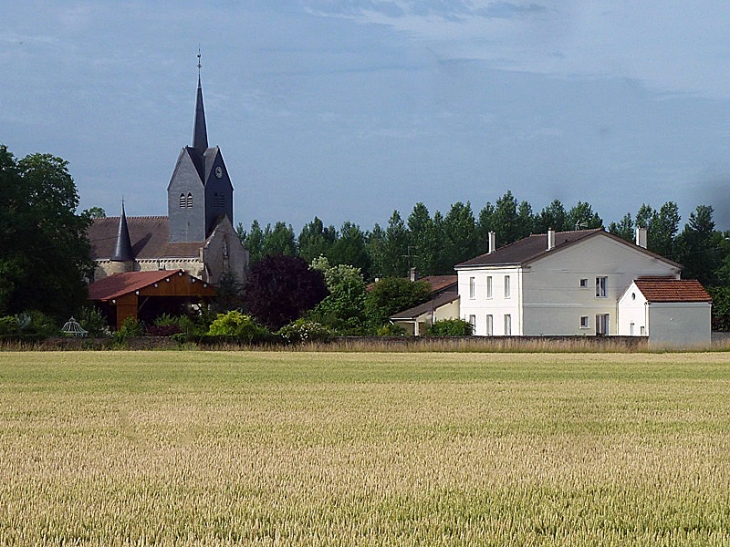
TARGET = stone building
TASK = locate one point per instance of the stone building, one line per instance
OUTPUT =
(196, 236)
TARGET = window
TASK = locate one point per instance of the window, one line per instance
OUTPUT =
(490, 325)
(601, 287)
(473, 322)
(631, 328)
(584, 322)
(190, 200)
(472, 288)
(489, 286)
(508, 325)
(182, 201)
(506, 286)
(602, 322)
(584, 283)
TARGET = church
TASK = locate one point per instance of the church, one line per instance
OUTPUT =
(197, 235)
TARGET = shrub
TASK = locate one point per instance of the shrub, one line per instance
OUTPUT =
(450, 327)
(236, 325)
(391, 329)
(9, 326)
(92, 320)
(302, 331)
(130, 329)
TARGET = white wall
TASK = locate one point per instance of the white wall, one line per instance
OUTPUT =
(679, 324)
(498, 305)
(633, 310)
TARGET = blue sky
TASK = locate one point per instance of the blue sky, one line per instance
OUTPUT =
(349, 109)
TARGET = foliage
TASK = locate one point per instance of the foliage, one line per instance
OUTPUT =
(40, 234)
(302, 331)
(93, 321)
(344, 307)
(316, 240)
(390, 329)
(450, 327)
(391, 295)
(720, 308)
(236, 325)
(280, 288)
(9, 326)
(229, 292)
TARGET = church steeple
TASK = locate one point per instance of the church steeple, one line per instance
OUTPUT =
(123, 249)
(200, 134)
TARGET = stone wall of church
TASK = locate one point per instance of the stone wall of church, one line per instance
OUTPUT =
(223, 253)
(193, 266)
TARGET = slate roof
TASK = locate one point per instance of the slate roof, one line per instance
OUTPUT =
(657, 289)
(534, 247)
(440, 300)
(149, 237)
(120, 284)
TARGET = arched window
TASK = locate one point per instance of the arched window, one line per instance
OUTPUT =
(182, 201)
(190, 200)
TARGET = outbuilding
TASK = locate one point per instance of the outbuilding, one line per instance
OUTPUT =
(671, 312)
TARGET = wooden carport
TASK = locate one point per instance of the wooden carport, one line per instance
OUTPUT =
(128, 294)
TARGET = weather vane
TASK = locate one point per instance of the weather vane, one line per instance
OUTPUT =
(199, 61)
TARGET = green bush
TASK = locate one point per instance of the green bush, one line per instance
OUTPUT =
(92, 320)
(9, 326)
(391, 329)
(240, 327)
(302, 331)
(450, 327)
(130, 328)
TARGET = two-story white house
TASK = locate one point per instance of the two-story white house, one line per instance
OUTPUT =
(559, 283)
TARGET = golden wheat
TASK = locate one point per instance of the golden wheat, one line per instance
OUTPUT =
(263, 448)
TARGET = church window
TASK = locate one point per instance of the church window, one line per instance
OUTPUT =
(182, 201)
(190, 200)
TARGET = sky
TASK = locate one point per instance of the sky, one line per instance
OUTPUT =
(350, 109)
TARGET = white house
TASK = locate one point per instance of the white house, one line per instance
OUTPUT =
(671, 312)
(564, 283)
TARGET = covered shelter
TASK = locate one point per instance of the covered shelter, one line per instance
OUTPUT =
(146, 295)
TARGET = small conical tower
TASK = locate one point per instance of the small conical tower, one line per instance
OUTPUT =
(200, 133)
(123, 257)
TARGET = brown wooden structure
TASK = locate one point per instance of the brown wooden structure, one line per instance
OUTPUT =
(146, 295)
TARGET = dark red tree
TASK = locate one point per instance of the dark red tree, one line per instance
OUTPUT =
(280, 288)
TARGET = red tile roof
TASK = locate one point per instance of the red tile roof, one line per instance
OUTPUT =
(656, 289)
(440, 283)
(120, 284)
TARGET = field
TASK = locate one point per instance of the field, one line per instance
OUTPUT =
(279, 448)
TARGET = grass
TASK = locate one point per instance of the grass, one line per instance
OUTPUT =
(277, 448)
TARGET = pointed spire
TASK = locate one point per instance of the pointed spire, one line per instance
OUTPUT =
(200, 134)
(123, 249)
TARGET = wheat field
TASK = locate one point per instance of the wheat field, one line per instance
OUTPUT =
(278, 448)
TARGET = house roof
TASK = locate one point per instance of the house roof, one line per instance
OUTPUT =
(415, 312)
(657, 289)
(440, 283)
(534, 247)
(148, 235)
(116, 285)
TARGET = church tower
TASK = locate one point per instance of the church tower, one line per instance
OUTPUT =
(200, 191)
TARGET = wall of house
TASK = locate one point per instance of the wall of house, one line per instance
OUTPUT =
(679, 324)
(223, 252)
(555, 300)
(193, 266)
(632, 313)
(498, 305)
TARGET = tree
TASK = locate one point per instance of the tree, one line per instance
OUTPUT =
(460, 235)
(95, 212)
(389, 248)
(279, 241)
(315, 240)
(624, 228)
(392, 295)
(253, 241)
(44, 253)
(280, 288)
(344, 307)
(350, 248)
(582, 217)
(552, 216)
(700, 247)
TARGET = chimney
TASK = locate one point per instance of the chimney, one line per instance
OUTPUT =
(550, 239)
(641, 237)
(492, 242)
(413, 274)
